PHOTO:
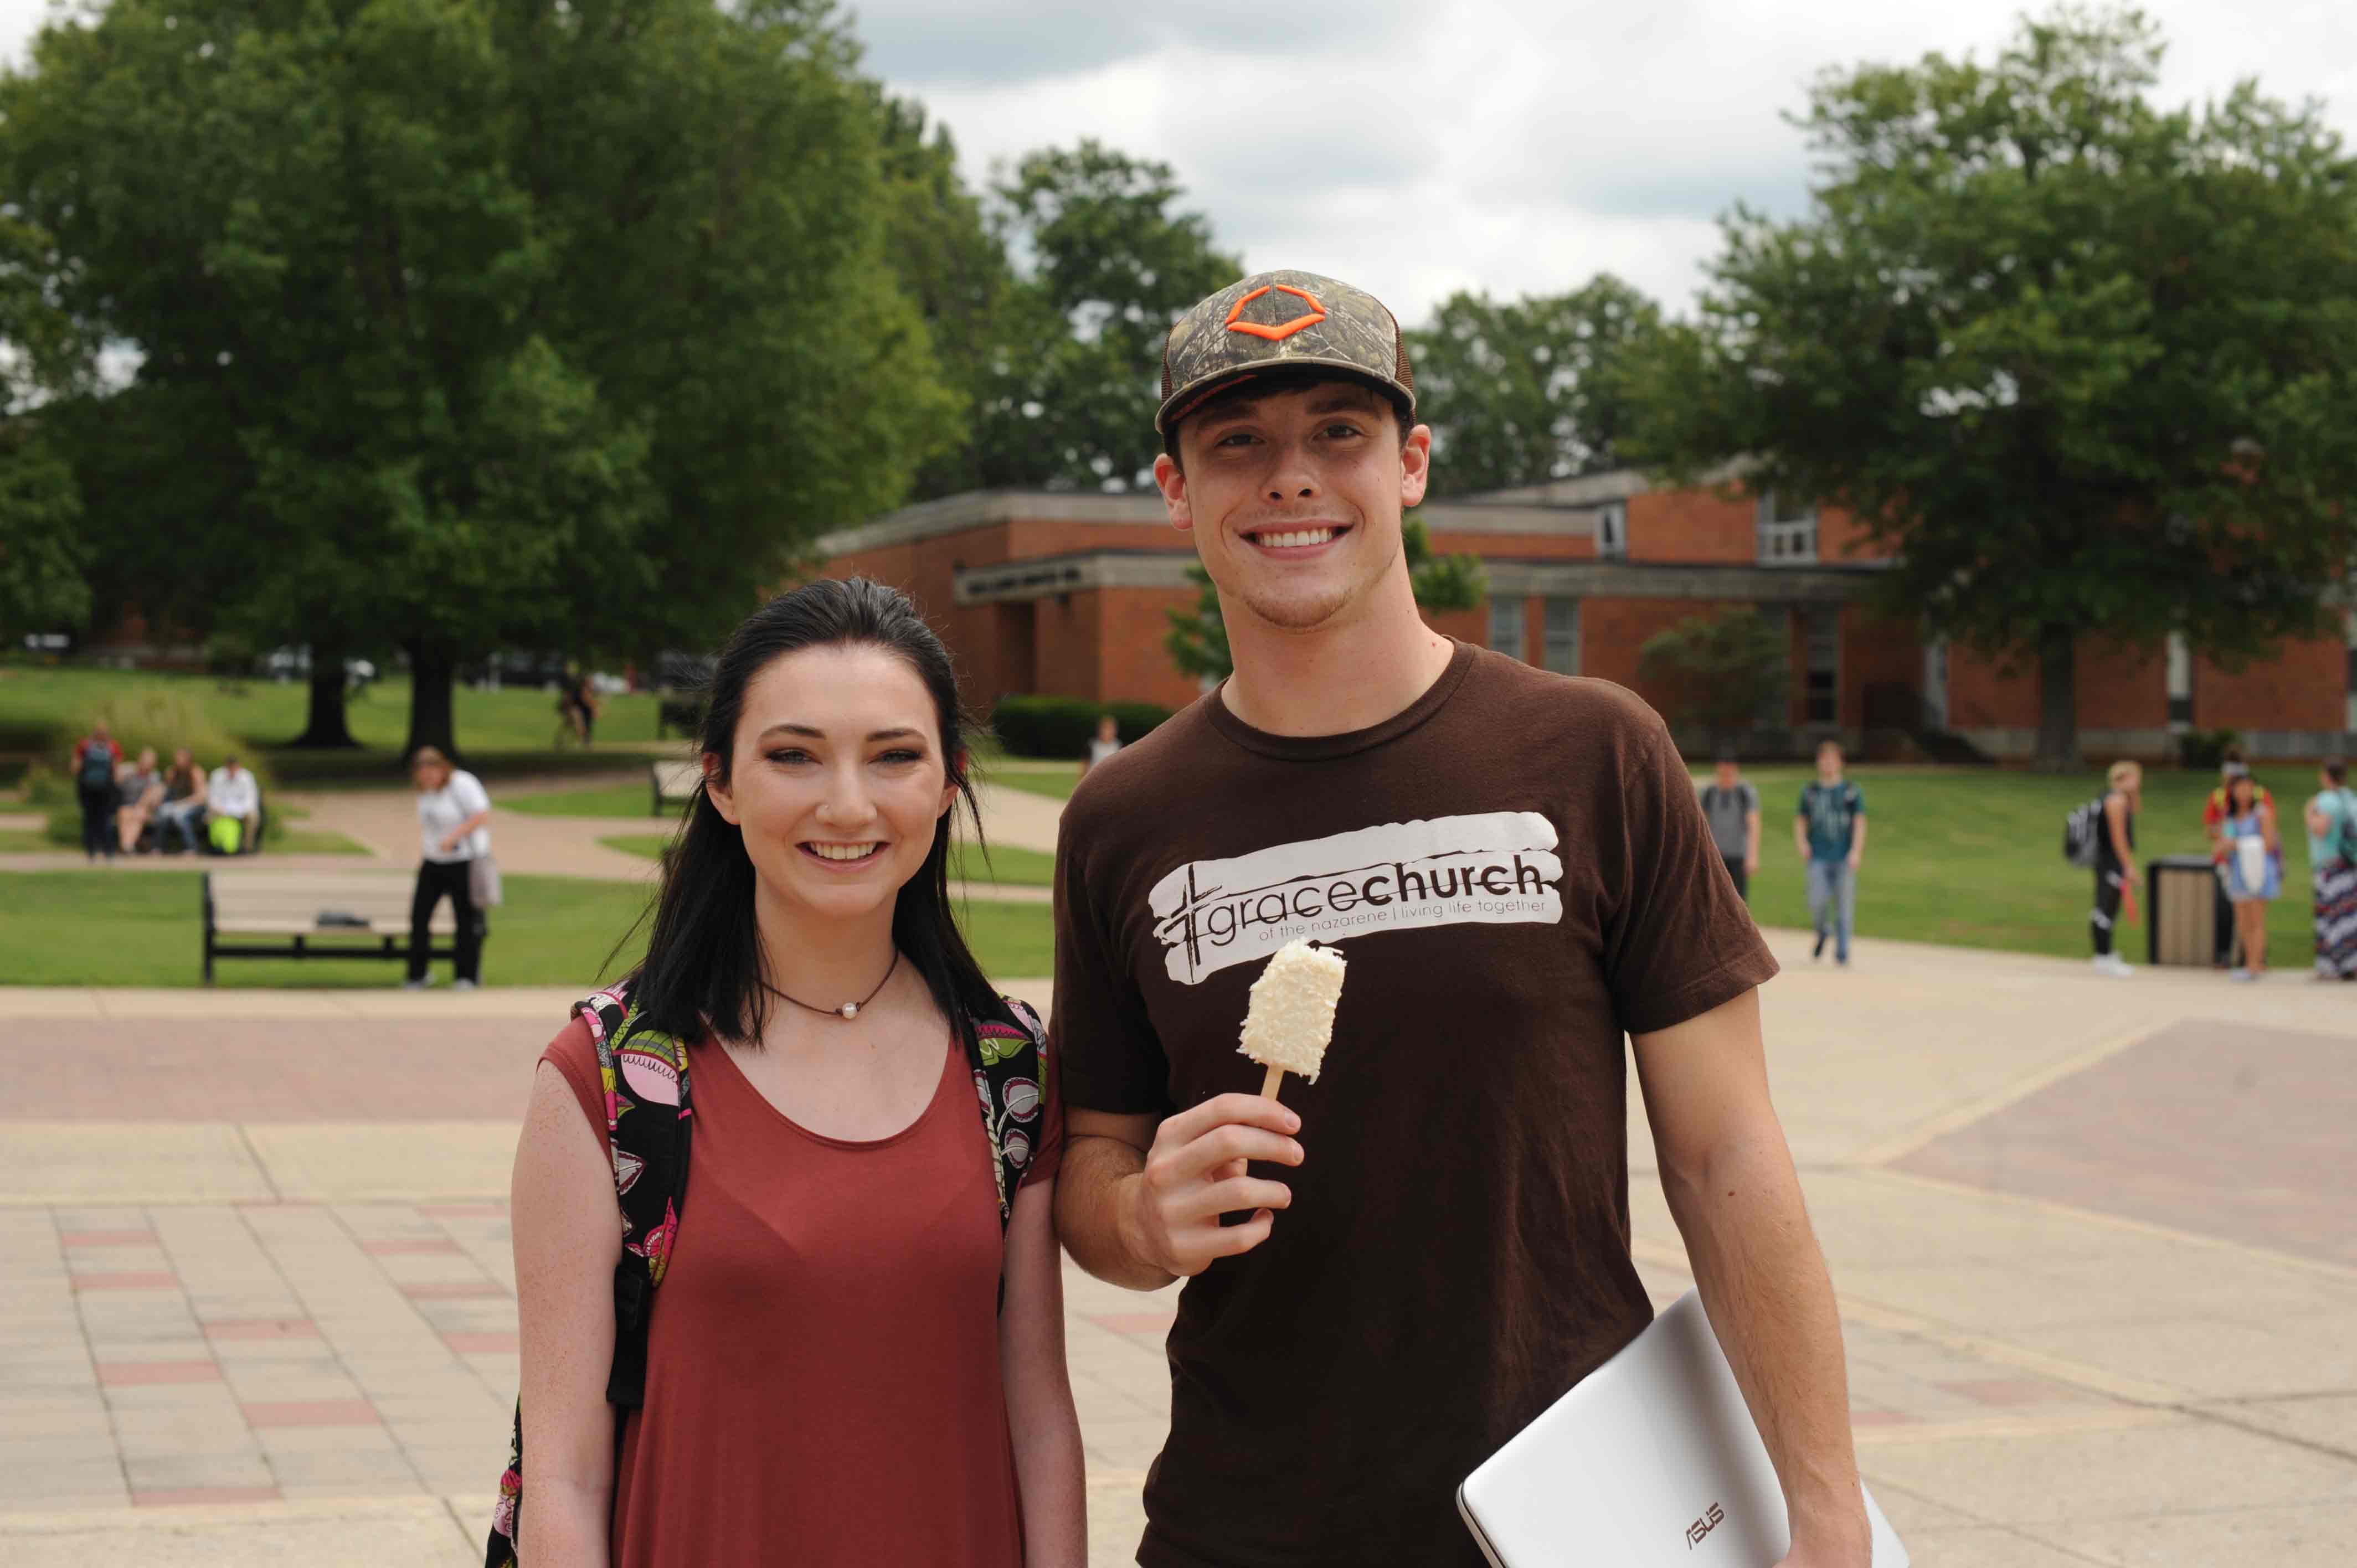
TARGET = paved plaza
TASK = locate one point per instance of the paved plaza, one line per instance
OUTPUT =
(2091, 1239)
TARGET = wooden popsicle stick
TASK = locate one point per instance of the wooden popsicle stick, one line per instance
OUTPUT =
(1268, 1085)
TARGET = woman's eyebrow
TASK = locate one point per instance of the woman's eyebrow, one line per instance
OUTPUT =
(903, 733)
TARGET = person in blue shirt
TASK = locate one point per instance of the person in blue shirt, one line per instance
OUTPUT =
(1829, 830)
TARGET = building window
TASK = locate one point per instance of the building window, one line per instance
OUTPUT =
(1612, 532)
(1788, 533)
(1823, 691)
(1562, 636)
(2180, 683)
(1506, 625)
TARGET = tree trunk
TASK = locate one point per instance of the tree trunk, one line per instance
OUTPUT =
(432, 673)
(327, 729)
(2058, 704)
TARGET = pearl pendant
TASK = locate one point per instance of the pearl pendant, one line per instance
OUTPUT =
(849, 1010)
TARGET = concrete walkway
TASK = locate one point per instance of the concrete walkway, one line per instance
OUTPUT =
(2091, 1240)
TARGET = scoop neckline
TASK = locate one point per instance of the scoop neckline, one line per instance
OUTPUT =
(1323, 748)
(951, 1056)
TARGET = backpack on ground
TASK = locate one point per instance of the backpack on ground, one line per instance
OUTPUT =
(646, 1072)
(2083, 833)
(97, 767)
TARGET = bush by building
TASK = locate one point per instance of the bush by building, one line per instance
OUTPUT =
(1063, 727)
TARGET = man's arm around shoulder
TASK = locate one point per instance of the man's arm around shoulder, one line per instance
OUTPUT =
(1728, 1176)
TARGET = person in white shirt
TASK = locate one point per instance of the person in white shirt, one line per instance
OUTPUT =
(232, 808)
(1107, 742)
(452, 811)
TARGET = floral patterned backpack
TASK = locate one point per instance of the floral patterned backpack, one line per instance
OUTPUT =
(648, 1120)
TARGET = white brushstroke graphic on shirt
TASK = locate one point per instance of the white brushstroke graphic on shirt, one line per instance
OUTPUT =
(1497, 868)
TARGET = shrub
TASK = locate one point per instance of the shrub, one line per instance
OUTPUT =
(2205, 748)
(1063, 727)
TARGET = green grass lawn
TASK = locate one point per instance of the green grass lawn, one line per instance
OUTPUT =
(85, 928)
(1974, 856)
(1003, 864)
(629, 800)
(1057, 780)
(508, 731)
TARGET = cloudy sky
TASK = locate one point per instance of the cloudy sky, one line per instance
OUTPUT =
(1507, 145)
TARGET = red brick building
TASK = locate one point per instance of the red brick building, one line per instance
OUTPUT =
(1065, 593)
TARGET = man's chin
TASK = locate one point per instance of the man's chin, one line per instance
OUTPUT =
(1298, 613)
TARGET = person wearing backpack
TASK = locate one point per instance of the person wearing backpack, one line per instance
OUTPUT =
(96, 756)
(1732, 807)
(855, 1353)
(2114, 862)
(2333, 865)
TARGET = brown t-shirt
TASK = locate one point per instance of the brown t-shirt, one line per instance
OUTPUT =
(1517, 872)
(823, 1376)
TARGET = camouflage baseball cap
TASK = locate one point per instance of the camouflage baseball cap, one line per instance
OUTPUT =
(1281, 321)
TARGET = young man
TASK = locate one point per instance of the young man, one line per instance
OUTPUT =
(1829, 830)
(234, 806)
(1433, 1238)
(1732, 808)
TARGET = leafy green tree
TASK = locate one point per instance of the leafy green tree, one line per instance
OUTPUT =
(1717, 672)
(2085, 364)
(1533, 389)
(1110, 264)
(42, 556)
(540, 326)
(1197, 639)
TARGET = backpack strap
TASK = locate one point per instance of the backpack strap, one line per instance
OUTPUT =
(649, 1120)
(1009, 1058)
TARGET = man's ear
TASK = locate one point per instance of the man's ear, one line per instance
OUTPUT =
(1416, 466)
(1171, 480)
(716, 791)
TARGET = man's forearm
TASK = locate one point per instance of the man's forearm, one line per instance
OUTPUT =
(1088, 1212)
(1763, 1279)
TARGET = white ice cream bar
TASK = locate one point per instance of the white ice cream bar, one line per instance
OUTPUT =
(1292, 1014)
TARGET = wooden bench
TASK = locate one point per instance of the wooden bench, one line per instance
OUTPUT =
(674, 784)
(317, 914)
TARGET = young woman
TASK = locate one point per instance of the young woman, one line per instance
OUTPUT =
(2254, 870)
(848, 1362)
(2115, 863)
(452, 810)
(2332, 830)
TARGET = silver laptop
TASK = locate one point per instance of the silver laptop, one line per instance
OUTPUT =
(1650, 1461)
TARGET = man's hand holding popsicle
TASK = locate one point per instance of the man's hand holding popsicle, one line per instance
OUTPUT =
(1195, 1172)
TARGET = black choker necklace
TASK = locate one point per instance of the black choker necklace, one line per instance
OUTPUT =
(849, 1010)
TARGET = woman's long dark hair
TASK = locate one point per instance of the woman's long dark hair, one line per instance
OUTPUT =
(703, 965)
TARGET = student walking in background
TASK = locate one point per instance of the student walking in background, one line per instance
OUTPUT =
(1106, 741)
(2253, 869)
(1732, 807)
(1829, 830)
(2115, 863)
(452, 811)
(2333, 872)
(95, 759)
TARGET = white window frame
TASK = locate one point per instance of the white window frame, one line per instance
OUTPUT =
(1786, 541)
(1559, 634)
(1612, 532)
(1506, 608)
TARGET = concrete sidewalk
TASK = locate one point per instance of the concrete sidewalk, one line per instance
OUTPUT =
(2090, 1237)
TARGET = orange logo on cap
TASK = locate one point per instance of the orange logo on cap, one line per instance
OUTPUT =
(1317, 314)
